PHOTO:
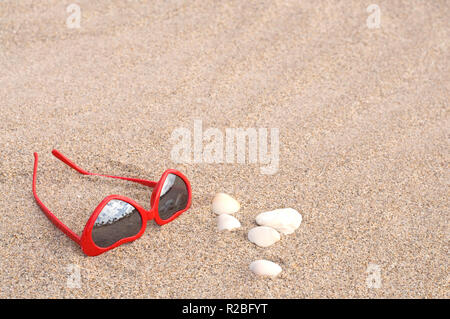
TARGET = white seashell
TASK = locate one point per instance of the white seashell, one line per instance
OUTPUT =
(225, 204)
(285, 220)
(265, 268)
(227, 222)
(263, 236)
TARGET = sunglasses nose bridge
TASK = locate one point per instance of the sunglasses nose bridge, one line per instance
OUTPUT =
(150, 214)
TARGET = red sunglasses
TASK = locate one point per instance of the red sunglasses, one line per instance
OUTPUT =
(118, 219)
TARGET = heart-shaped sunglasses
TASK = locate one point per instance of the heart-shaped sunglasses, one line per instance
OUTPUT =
(119, 219)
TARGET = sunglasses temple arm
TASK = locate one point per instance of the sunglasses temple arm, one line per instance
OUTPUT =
(71, 164)
(47, 212)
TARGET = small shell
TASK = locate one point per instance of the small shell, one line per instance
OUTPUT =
(285, 220)
(227, 222)
(265, 268)
(225, 204)
(263, 236)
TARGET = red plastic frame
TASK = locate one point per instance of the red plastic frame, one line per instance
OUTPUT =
(85, 240)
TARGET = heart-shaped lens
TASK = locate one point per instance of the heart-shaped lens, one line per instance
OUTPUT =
(174, 196)
(117, 220)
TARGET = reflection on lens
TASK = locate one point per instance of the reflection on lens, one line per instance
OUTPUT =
(173, 198)
(168, 183)
(117, 220)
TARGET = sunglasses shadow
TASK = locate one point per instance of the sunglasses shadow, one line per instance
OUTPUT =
(139, 193)
(152, 226)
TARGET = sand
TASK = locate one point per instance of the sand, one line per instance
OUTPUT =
(363, 122)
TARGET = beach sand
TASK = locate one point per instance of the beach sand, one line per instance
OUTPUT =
(363, 122)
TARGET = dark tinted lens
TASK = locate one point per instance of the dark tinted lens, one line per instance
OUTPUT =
(174, 196)
(117, 220)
